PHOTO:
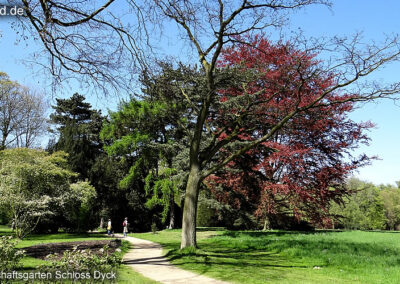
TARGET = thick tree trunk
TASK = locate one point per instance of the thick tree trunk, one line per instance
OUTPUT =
(195, 175)
(190, 208)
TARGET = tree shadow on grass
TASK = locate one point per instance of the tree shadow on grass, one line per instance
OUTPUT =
(307, 244)
(250, 254)
(260, 267)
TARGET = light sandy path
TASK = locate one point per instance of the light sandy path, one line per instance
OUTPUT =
(146, 258)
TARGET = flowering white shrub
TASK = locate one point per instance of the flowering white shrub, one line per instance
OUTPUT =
(83, 261)
(9, 255)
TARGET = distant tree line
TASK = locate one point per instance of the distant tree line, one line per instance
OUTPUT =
(369, 207)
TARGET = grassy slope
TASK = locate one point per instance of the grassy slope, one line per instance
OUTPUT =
(289, 257)
(125, 274)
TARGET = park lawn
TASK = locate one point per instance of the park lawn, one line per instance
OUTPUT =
(4, 230)
(125, 274)
(128, 275)
(288, 257)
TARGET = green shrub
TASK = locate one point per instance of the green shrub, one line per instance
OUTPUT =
(84, 261)
(9, 255)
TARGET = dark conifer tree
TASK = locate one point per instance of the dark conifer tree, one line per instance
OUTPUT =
(78, 127)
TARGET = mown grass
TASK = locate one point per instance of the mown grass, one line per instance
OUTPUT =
(125, 273)
(288, 257)
(5, 230)
(128, 275)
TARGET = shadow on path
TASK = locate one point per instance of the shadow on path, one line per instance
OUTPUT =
(146, 258)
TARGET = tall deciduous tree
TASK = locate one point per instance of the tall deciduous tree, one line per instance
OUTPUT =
(33, 185)
(10, 107)
(22, 114)
(391, 199)
(94, 42)
(304, 165)
(364, 209)
(209, 27)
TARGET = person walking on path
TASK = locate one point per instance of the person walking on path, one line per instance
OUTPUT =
(125, 226)
(109, 227)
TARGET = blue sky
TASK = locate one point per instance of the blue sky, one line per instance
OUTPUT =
(373, 18)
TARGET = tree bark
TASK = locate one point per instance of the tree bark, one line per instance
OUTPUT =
(172, 213)
(190, 208)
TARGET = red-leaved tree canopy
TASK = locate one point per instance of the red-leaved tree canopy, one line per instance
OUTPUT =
(303, 167)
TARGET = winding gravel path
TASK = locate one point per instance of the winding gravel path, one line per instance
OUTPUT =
(146, 258)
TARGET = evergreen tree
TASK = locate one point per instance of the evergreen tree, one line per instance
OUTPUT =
(78, 127)
(153, 135)
(142, 134)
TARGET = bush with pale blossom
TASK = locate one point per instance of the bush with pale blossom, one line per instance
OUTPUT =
(84, 261)
(9, 255)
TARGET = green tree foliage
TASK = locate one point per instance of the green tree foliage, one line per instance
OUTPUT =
(4, 216)
(391, 198)
(364, 209)
(79, 203)
(145, 134)
(111, 201)
(33, 185)
(37, 193)
(152, 132)
(162, 191)
(78, 128)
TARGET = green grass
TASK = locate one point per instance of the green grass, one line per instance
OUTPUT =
(30, 263)
(265, 257)
(5, 230)
(125, 273)
(128, 275)
(288, 257)
(32, 240)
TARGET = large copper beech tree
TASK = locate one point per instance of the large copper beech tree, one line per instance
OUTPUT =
(88, 39)
(303, 167)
